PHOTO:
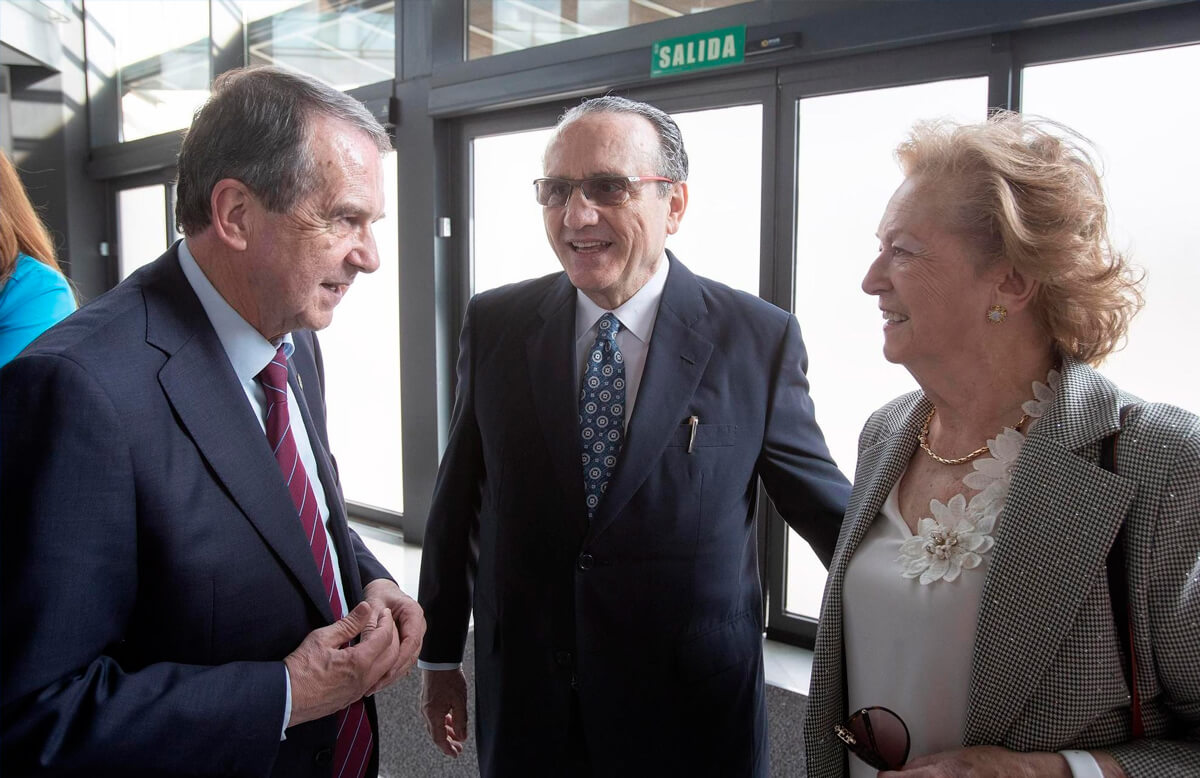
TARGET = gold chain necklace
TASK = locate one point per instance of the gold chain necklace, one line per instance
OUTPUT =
(923, 439)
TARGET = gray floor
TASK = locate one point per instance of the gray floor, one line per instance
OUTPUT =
(408, 752)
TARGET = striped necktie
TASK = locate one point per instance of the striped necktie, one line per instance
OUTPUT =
(352, 750)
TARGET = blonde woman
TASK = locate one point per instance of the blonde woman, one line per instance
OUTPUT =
(33, 293)
(1020, 522)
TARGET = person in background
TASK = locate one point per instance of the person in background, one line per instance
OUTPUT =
(180, 591)
(1014, 591)
(33, 292)
(596, 503)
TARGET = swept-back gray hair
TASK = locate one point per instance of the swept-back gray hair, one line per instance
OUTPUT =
(256, 128)
(672, 157)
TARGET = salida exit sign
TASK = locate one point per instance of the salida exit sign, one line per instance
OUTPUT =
(695, 52)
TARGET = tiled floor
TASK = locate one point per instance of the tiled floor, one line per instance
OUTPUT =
(787, 667)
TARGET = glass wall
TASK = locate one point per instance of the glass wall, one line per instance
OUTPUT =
(1146, 141)
(160, 54)
(346, 43)
(845, 181)
(499, 26)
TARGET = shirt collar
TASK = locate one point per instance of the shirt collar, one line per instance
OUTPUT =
(248, 351)
(637, 314)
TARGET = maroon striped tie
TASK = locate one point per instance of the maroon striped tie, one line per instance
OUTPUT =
(352, 751)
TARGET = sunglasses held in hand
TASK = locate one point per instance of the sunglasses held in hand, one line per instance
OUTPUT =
(877, 736)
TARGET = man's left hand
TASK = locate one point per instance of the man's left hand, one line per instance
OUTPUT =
(410, 624)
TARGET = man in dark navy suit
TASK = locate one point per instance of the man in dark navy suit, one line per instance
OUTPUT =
(181, 593)
(595, 506)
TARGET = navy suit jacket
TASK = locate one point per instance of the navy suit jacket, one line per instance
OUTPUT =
(652, 611)
(154, 571)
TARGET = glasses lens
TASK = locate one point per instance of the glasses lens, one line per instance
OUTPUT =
(551, 191)
(882, 738)
(606, 191)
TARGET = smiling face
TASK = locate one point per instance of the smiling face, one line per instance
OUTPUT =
(302, 262)
(933, 297)
(609, 253)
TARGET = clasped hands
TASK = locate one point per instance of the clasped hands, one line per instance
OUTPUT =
(328, 673)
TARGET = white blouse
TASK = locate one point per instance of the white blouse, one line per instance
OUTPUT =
(911, 602)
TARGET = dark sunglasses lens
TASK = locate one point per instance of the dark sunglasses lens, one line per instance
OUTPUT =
(551, 192)
(606, 191)
(881, 734)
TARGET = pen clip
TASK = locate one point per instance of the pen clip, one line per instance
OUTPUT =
(693, 422)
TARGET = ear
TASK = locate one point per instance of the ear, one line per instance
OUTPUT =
(1015, 290)
(679, 201)
(231, 204)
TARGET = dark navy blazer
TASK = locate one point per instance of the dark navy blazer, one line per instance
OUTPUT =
(652, 612)
(154, 571)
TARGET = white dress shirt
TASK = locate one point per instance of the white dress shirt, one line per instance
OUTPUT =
(637, 316)
(249, 352)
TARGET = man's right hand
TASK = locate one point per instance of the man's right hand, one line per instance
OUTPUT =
(444, 705)
(328, 675)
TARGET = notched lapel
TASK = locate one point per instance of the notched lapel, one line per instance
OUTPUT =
(1052, 543)
(205, 393)
(676, 362)
(550, 355)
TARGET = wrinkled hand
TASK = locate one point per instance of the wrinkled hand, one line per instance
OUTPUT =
(444, 705)
(410, 624)
(983, 762)
(328, 675)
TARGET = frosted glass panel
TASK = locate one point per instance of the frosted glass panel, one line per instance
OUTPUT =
(141, 227)
(1130, 106)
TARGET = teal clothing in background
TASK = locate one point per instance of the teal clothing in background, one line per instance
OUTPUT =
(35, 297)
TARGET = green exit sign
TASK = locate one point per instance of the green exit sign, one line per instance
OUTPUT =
(699, 51)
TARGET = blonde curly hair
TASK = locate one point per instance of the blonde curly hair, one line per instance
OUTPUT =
(1027, 191)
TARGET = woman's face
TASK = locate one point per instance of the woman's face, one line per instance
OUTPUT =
(934, 302)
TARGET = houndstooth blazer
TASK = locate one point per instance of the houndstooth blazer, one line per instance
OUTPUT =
(1046, 672)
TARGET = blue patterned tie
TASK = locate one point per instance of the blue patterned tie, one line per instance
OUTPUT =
(602, 411)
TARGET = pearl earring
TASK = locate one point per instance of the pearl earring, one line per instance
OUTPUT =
(997, 314)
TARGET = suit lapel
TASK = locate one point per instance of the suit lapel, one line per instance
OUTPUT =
(1052, 543)
(550, 356)
(201, 386)
(674, 366)
(879, 468)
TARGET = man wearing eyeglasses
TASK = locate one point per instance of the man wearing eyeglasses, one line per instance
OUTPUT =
(595, 505)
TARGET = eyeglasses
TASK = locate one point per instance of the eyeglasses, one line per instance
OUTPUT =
(877, 736)
(606, 191)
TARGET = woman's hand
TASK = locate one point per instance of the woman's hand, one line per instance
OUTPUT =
(996, 762)
(984, 762)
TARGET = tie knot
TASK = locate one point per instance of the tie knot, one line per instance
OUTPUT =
(610, 325)
(274, 377)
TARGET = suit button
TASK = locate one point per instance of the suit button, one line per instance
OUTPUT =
(562, 658)
(586, 561)
(324, 756)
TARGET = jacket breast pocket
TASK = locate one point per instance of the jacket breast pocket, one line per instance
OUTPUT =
(707, 435)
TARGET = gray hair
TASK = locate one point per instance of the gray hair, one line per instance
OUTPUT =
(256, 127)
(672, 157)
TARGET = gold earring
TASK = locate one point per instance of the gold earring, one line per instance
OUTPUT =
(997, 314)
